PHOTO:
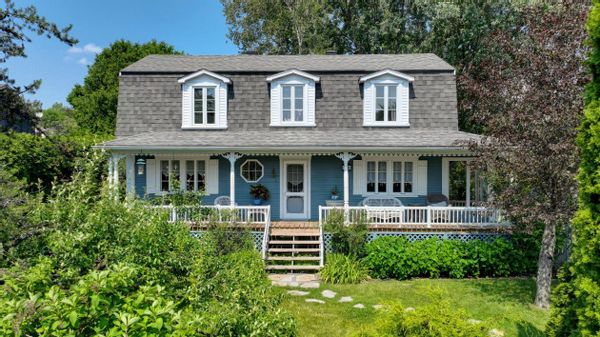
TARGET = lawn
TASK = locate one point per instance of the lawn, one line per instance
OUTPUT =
(504, 303)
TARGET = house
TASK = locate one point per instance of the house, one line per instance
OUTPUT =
(381, 130)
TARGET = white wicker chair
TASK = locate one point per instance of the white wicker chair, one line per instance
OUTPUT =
(223, 200)
(375, 214)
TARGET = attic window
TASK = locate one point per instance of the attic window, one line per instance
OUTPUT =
(386, 99)
(204, 105)
(204, 100)
(293, 98)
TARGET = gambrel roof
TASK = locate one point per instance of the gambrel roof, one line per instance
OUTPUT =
(278, 63)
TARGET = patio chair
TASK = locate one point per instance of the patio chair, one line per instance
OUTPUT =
(380, 201)
(223, 200)
(438, 200)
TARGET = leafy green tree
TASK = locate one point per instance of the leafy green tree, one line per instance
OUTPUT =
(15, 25)
(95, 102)
(58, 120)
(576, 300)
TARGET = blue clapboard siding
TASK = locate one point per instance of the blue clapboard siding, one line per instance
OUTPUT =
(326, 172)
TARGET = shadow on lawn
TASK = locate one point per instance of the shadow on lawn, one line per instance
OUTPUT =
(521, 291)
(526, 329)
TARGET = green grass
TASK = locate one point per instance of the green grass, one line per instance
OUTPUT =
(505, 304)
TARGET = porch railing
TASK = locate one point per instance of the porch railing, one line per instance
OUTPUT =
(426, 216)
(259, 216)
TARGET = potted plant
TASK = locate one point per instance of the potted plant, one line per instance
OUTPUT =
(260, 193)
(334, 193)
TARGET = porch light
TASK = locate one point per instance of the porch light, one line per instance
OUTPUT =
(140, 163)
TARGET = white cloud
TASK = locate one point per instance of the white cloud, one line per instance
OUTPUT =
(89, 48)
(83, 61)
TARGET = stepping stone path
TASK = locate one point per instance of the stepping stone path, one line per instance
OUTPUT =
(314, 300)
(310, 285)
(377, 306)
(473, 321)
(345, 299)
(409, 309)
(309, 281)
(496, 333)
(359, 306)
(297, 292)
(328, 293)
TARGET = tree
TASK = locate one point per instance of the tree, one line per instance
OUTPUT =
(530, 103)
(575, 310)
(15, 23)
(58, 120)
(95, 102)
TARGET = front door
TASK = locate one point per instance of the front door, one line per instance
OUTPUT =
(295, 189)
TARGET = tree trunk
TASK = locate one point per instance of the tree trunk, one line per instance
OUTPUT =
(545, 264)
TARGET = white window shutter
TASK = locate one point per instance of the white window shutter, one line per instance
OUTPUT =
(275, 103)
(186, 105)
(222, 122)
(403, 102)
(358, 177)
(368, 102)
(310, 102)
(212, 176)
(151, 178)
(421, 177)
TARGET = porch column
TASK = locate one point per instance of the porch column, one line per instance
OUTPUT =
(346, 157)
(232, 157)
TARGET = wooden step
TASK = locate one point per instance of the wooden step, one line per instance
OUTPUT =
(294, 232)
(293, 242)
(293, 250)
(290, 267)
(294, 258)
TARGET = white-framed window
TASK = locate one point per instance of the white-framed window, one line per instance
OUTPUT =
(252, 170)
(386, 99)
(204, 106)
(166, 174)
(389, 177)
(292, 109)
(204, 100)
(385, 102)
(293, 98)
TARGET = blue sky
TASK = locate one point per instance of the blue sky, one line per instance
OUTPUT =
(193, 26)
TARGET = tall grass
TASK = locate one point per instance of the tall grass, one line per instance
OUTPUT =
(344, 270)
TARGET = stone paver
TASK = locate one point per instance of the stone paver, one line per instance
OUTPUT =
(328, 293)
(409, 309)
(295, 280)
(345, 299)
(496, 333)
(297, 292)
(314, 300)
(377, 306)
(473, 321)
(359, 306)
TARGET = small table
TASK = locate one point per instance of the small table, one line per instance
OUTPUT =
(334, 203)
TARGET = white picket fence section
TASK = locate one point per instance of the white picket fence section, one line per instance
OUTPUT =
(427, 216)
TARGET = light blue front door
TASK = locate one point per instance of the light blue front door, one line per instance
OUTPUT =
(295, 189)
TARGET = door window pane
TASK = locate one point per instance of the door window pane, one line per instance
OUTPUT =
(382, 176)
(295, 204)
(295, 178)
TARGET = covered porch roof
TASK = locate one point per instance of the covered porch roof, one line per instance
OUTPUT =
(302, 139)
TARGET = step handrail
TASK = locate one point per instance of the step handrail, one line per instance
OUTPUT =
(266, 233)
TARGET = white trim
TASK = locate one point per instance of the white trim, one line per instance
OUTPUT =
(262, 171)
(292, 72)
(387, 72)
(282, 187)
(204, 72)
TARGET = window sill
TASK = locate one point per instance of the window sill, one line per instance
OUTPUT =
(204, 127)
(395, 195)
(293, 125)
(386, 125)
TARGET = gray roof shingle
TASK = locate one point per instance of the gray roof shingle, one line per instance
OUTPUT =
(296, 139)
(276, 63)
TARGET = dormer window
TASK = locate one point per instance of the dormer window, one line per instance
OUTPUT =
(293, 103)
(293, 98)
(204, 100)
(204, 106)
(386, 99)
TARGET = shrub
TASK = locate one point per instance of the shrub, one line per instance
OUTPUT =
(438, 319)
(396, 257)
(347, 239)
(343, 269)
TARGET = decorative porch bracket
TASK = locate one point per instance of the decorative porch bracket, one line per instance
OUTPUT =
(346, 157)
(232, 157)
